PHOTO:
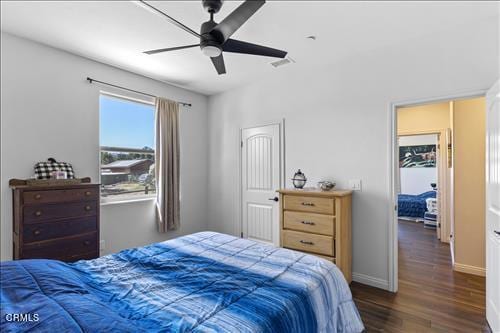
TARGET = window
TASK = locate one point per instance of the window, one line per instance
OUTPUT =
(127, 153)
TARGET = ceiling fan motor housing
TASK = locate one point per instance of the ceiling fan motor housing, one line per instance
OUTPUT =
(212, 6)
(208, 37)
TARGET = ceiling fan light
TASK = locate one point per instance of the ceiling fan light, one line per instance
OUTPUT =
(211, 51)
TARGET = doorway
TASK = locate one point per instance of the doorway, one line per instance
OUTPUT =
(261, 165)
(422, 179)
(459, 164)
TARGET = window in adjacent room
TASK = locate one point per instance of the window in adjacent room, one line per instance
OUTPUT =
(126, 149)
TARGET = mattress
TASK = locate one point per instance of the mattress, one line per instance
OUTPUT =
(204, 282)
(414, 205)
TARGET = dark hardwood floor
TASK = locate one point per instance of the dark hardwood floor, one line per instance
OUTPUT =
(431, 297)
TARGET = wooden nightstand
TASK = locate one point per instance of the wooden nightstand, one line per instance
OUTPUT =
(319, 223)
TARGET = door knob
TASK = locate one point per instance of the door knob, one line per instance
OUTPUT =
(274, 199)
(497, 232)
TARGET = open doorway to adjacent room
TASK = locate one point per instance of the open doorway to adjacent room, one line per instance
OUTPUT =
(439, 185)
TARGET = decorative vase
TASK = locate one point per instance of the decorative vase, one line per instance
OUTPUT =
(299, 179)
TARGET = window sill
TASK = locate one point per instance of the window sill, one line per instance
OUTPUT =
(110, 203)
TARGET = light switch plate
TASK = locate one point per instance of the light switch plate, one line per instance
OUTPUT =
(102, 245)
(355, 184)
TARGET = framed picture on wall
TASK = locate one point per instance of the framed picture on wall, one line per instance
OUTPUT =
(418, 156)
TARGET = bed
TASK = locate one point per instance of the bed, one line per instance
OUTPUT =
(203, 282)
(414, 206)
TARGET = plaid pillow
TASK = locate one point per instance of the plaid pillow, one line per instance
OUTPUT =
(44, 169)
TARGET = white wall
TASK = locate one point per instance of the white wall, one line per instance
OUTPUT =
(417, 180)
(48, 109)
(338, 124)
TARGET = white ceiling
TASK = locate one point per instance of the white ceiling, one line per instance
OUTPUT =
(116, 33)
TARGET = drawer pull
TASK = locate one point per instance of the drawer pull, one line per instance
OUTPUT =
(306, 242)
(36, 232)
(38, 196)
(38, 213)
(86, 243)
(88, 193)
(307, 204)
(87, 208)
(307, 222)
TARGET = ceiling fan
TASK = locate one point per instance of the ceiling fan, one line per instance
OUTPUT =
(215, 37)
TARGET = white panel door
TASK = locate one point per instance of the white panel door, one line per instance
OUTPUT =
(260, 162)
(493, 207)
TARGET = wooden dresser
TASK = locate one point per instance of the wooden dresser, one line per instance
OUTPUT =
(56, 222)
(319, 223)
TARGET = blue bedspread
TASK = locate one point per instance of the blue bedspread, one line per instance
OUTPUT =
(204, 282)
(414, 205)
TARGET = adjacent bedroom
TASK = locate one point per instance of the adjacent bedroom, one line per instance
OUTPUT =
(249, 166)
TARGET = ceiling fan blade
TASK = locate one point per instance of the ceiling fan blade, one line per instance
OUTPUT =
(169, 18)
(235, 20)
(238, 46)
(219, 64)
(170, 49)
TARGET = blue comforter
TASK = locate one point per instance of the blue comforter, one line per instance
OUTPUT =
(204, 282)
(414, 205)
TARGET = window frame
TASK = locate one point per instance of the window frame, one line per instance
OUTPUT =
(135, 98)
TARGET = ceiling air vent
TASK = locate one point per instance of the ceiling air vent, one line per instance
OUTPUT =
(283, 62)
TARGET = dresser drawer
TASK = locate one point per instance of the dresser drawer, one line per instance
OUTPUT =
(54, 196)
(309, 204)
(62, 248)
(308, 242)
(36, 213)
(309, 222)
(36, 232)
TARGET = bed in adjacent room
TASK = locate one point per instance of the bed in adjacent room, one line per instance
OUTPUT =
(204, 282)
(414, 206)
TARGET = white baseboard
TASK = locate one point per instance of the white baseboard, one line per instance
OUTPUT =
(370, 281)
(469, 269)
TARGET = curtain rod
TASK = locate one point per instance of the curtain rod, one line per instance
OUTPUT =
(91, 80)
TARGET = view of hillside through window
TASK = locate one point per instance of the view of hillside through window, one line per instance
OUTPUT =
(127, 154)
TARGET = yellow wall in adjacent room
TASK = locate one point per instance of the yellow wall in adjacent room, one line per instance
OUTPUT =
(424, 117)
(469, 124)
